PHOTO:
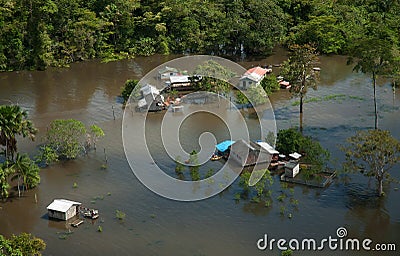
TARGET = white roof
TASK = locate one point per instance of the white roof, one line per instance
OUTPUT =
(268, 148)
(295, 155)
(61, 205)
(149, 89)
(167, 69)
(179, 79)
(142, 103)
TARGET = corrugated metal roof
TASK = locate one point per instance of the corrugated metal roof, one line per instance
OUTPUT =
(257, 70)
(256, 73)
(268, 147)
(61, 205)
(223, 146)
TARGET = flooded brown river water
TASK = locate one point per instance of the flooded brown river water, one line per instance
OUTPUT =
(154, 225)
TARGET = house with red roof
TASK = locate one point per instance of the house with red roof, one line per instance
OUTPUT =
(253, 76)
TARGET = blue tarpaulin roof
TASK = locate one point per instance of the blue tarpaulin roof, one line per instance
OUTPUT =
(223, 146)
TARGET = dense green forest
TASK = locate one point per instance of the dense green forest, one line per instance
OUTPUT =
(36, 34)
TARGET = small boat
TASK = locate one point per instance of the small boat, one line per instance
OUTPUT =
(285, 84)
(215, 157)
(90, 213)
(76, 223)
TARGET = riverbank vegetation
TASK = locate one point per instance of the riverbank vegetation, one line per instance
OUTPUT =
(23, 244)
(14, 122)
(40, 34)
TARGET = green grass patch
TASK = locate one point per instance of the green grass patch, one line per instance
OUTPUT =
(328, 98)
(356, 97)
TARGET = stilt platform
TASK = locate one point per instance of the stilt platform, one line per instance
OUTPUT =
(76, 223)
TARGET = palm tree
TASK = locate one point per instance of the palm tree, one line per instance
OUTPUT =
(25, 169)
(13, 121)
(5, 172)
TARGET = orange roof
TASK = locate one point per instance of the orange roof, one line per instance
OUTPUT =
(257, 70)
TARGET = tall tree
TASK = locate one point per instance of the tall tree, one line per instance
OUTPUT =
(24, 168)
(298, 69)
(375, 53)
(372, 153)
(14, 121)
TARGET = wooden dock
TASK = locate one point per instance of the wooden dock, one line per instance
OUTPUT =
(326, 179)
(76, 223)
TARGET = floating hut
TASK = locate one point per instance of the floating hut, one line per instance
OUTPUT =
(152, 99)
(253, 76)
(292, 168)
(167, 72)
(182, 82)
(63, 209)
(249, 153)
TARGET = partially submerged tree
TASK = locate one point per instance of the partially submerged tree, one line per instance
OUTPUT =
(270, 84)
(25, 170)
(127, 89)
(14, 121)
(254, 95)
(375, 54)
(23, 244)
(290, 141)
(66, 137)
(94, 135)
(298, 70)
(215, 77)
(372, 153)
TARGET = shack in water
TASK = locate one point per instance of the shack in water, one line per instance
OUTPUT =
(63, 209)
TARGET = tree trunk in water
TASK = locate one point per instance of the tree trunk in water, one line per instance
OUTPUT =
(301, 104)
(375, 103)
(301, 123)
(301, 113)
(19, 190)
(380, 188)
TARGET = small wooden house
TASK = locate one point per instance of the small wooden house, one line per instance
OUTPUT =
(292, 168)
(152, 99)
(63, 209)
(167, 72)
(182, 82)
(253, 76)
(248, 153)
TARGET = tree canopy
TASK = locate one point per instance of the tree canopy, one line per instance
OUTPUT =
(290, 140)
(14, 121)
(299, 71)
(23, 244)
(372, 153)
(15, 166)
(40, 34)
